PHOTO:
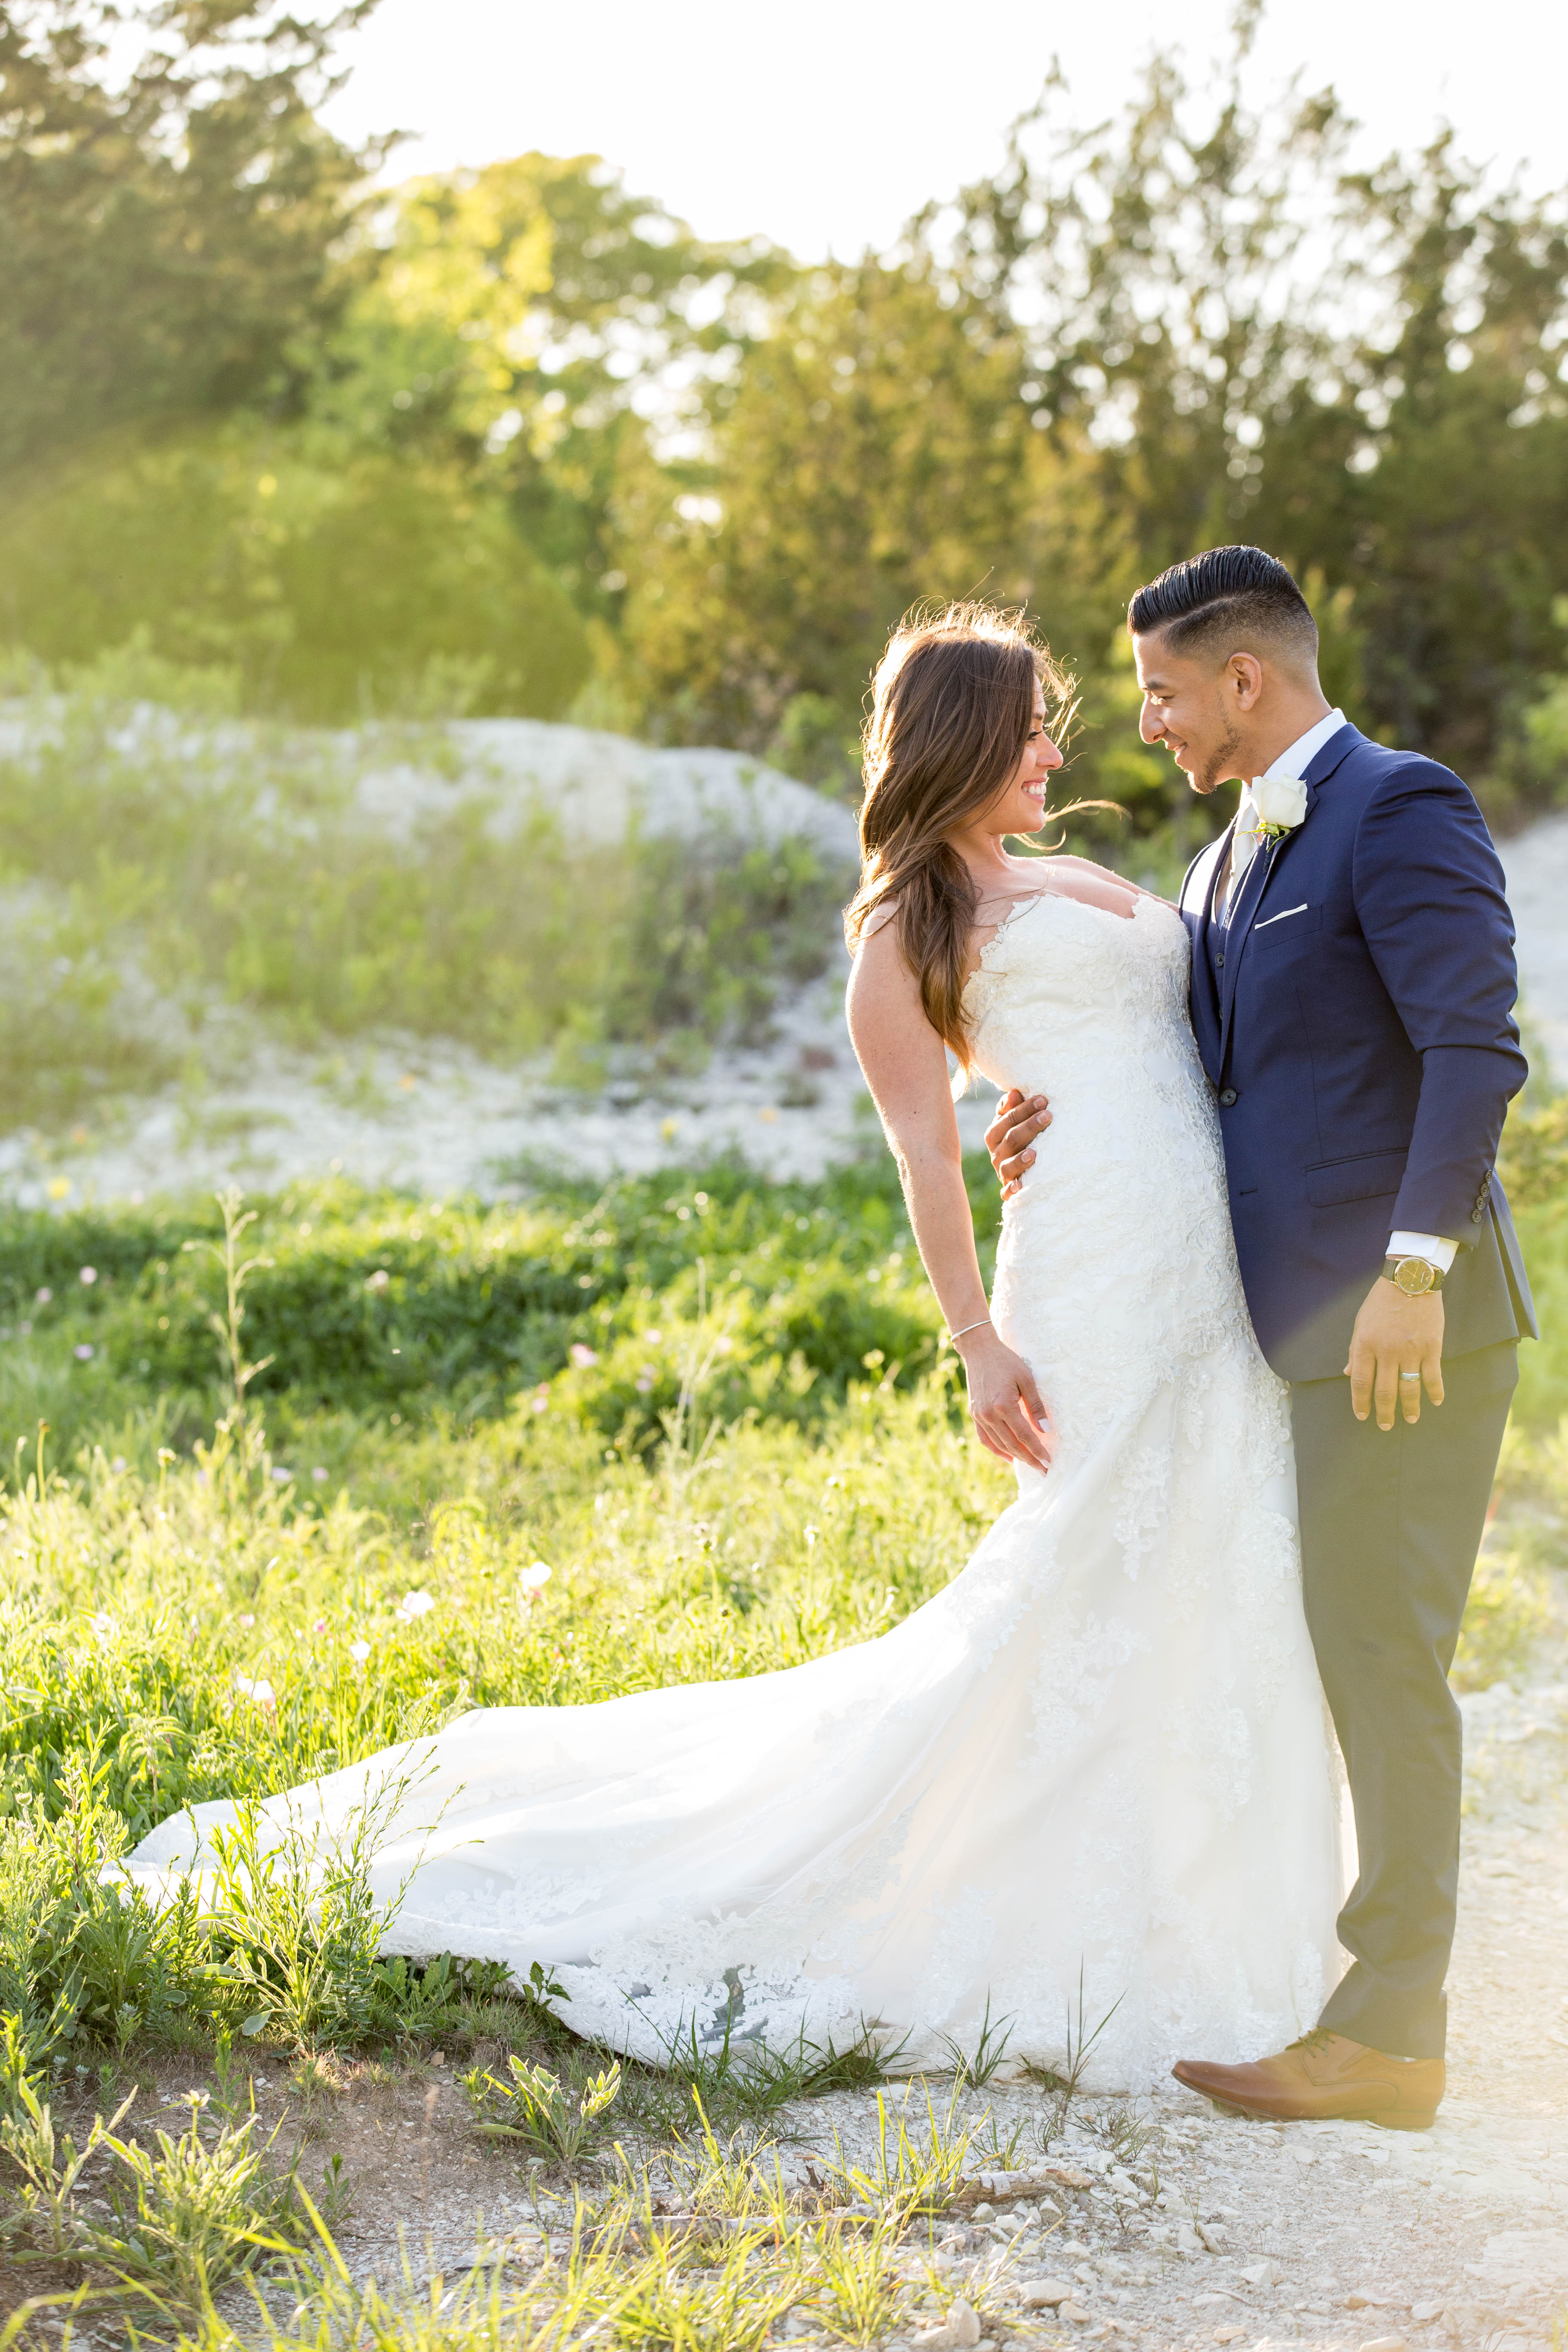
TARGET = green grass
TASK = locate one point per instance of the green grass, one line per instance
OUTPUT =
(686, 1426)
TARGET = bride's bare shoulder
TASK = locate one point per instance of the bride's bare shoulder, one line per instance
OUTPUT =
(1086, 870)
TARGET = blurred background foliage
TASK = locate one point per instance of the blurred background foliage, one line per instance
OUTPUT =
(515, 440)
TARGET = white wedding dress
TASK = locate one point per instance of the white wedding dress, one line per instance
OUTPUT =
(1100, 1755)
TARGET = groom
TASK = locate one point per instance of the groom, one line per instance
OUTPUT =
(1352, 991)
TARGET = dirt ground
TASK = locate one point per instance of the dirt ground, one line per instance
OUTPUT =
(1215, 2232)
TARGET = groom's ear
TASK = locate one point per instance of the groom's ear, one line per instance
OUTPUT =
(1244, 680)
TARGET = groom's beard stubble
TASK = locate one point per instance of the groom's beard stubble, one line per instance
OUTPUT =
(1221, 765)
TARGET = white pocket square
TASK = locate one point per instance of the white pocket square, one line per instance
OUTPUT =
(1280, 918)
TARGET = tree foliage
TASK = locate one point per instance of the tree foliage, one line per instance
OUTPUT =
(1191, 324)
(168, 233)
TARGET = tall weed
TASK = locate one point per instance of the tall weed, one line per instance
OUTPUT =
(162, 861)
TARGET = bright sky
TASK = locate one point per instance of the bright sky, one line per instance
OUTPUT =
(825, 123)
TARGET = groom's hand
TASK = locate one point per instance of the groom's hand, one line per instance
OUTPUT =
(1395, 1336)
(1019, 1118)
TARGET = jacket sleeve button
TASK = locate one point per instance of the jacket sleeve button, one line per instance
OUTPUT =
(1227, 1096)
(1475, 1216)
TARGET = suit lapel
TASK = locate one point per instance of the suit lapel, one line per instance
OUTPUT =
(1266, 861)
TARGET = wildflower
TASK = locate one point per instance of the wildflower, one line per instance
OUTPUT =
(654, 1338)
(414, 1604)
(82, 1352)
(359, 1651)
(643, 1382)
(118, 1463)
(378, 1280)
(42, 1297)
(540, 1402)
(281, 1477)
(247, 1619)
(320, 1473)
(582, 1357)
(88, 1275)
(102, 1626)
(529, 1582)
(320, 1626)
(260, 1689)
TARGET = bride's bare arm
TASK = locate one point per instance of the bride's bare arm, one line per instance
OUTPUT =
(906, 1069)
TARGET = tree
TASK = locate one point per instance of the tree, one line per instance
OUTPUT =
(545, 328)
(871, 453)
(379, 585)
(167, 236)
(1363, 372)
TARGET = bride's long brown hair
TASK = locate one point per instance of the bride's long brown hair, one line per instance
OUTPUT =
(952, 704)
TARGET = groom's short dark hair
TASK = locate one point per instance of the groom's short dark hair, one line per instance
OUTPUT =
(1229, 594)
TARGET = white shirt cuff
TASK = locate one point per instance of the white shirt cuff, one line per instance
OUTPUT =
(1442, 1253)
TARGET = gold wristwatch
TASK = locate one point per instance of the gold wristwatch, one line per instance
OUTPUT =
(1414, 1276)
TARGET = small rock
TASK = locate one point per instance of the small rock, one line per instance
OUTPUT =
(1383, 2343)
(1368, 2298)
(983, 2213)
(1214, 2235)
(1424, 2314)
(1229, 2335)
(1044, 2294)
(959, 2333)
(1263, 2273)
(1074, 2312)
(1069, 2175)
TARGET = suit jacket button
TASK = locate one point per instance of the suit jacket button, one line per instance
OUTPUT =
(1227, 1096)
(1475, 1216)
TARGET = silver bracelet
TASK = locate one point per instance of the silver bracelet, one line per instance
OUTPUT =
(969, 1326)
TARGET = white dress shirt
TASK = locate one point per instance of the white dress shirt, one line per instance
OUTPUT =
(1294, 761)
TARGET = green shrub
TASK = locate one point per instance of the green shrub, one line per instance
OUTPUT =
(554, 2118)
(1505, 1615)
(1532, 1157)
(83, 1963)
(374, 1301)
(330, 594)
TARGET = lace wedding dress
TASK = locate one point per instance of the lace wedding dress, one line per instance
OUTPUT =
(1099, 1757)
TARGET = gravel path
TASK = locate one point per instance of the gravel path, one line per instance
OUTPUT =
(1220, 2232)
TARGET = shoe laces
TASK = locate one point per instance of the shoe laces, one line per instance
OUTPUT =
(1318, 2038)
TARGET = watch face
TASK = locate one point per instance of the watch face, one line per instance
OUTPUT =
(1413, 1276)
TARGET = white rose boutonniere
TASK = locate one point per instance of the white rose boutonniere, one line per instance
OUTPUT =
(1273, 806)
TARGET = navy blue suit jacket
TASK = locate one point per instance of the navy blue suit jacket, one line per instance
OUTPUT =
(1361, 1043)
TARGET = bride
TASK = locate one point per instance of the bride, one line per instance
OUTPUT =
(1099, 1759)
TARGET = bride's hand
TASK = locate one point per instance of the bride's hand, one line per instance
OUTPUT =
(1010, 1414)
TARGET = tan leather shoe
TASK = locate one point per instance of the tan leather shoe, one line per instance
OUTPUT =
(1324, 2075)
